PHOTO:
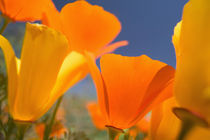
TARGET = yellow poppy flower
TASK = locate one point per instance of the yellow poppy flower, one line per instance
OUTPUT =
(166, 126)
(37, 79)
(192, 45)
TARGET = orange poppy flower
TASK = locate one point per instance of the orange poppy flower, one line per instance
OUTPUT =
(100, 122)
(87, 27)
(24, 10)
(128, 87)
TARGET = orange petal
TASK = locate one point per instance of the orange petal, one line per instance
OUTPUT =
(49, 16)
(96, 115)
(160, 89)
(100, 86)
(110, 48)
(87, 27)
(127, 80)
(24, 10)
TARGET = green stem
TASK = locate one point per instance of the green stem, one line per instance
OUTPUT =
(6, 22)
(185, 129)
(48, 128)
(22, 127)
(113, 132)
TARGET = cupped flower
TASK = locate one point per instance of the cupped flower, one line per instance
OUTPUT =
(87, 27)
(24, 10)
(37, 79)
(100, 122)
(192, 45)
(128, 87)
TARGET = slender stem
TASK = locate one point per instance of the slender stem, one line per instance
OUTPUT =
(185, 129)
(22, 127)
(50, 125)
(113, 132)
(6, 22)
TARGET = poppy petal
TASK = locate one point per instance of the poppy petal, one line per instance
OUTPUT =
(12, 64)
(88, 27)
(127, 80)
(73, 69)
(25, 10)
(100, 85)
(42, 55)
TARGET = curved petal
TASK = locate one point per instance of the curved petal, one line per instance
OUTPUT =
(12, 71)
(73, 69)
(192, 82)
(25, 10)
(42, 55)
(176, 38)
(100, 85)
(49, 16)
(198, 133)
(127, 80)
(88, 27)
(110, 48)
(160, 88)
(161, 125)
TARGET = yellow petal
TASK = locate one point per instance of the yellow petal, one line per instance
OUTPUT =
(73, 69)
(198, 133)
(176, 38)
(165, 125)
(12, 70)
(192, 82)
(42, 55)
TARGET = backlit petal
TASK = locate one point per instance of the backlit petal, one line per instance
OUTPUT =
(165, 125)
(192, 82)
(42, 55)
(176, 38)
(87, 27)
(127, 80)
(73, 69)
(12, 70)
(110, 48)
(100, 86)
(24, 10)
